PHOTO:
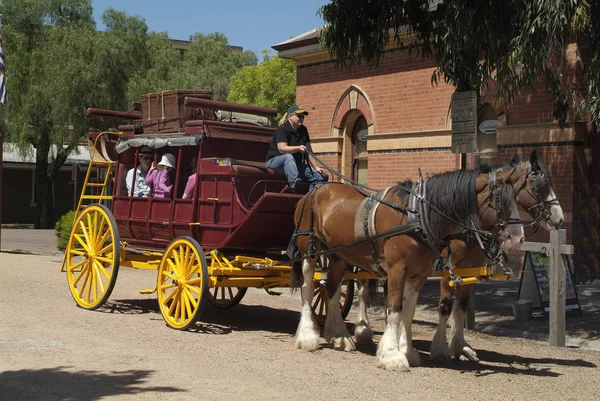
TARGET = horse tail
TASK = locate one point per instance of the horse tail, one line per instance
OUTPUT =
(296, 277)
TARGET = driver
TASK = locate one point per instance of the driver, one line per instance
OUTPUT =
(287, 152)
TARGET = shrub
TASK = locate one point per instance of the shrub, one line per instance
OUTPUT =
(63, 229)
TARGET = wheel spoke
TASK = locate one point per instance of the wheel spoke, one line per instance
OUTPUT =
(105, 260)
(177, 300)
(77, 252)
(192, 288)
(170, 296)
(169, 275)
(102, 241)
(186, 303)
(94, 230)
(196, 281)
(186, 260)
(76, 265)
(85, 235)
(95, 283)
(101, 269)
(88, 284)
(193, 270)
(173, 268)
(191, 296)
(84, 271)
(83, 244)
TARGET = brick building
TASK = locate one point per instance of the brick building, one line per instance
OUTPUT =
(407, 125)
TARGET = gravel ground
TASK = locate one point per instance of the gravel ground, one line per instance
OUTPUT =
(52, 350)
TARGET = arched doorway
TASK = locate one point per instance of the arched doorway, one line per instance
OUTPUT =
(360, 156)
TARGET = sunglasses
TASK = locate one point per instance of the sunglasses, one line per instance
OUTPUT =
(300, 116)
(146, 157)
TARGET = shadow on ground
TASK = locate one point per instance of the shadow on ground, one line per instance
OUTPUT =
(493, 305)
(218, 321)
(61, 384)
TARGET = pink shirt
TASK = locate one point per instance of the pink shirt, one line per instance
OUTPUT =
(189, 187)
(161, 182)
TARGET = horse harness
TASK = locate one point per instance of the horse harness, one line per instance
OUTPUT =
(537, 179)
(418, 226)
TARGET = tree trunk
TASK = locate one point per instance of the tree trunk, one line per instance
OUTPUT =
(43, 184)
(44, 216)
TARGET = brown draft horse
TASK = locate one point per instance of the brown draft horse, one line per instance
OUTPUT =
(329, 214)
(535, 195)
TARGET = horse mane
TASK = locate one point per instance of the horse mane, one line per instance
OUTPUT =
(454, 194)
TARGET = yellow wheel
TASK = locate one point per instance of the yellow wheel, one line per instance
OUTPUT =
(225, 297)
(93, 254)
(182, 283)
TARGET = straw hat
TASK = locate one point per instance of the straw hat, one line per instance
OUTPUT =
(168, 160)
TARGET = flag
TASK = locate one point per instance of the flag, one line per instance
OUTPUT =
(2, 80)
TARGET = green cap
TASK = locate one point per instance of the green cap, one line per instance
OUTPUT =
(297, 110)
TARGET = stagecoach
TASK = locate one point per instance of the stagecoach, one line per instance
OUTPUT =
(232, 234)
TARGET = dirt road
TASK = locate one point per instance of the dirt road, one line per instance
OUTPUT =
(52, 350)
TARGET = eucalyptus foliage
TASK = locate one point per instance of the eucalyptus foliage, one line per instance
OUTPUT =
(58, 65)
(510, 43)
(272, 83)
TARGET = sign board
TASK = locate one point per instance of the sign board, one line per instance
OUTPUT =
(535, 282)
(488, 127)
(464, 122)
(362, 134)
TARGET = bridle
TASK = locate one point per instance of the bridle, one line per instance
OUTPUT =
(537, 181)
(491, 246)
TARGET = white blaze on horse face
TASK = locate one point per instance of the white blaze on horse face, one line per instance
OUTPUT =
(514, 234)
(556, 213)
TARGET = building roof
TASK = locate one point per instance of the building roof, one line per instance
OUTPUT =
(11, 154)
(308, 42)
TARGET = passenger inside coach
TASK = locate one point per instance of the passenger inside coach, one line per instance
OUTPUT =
(158, 176)
(191, 181)
(140, 188)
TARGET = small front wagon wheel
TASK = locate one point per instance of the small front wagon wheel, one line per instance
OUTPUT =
(225, 297)
(92, 258)
(182, 283)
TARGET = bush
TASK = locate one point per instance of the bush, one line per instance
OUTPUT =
(63, 229)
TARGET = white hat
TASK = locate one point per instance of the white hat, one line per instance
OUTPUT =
(168, 160)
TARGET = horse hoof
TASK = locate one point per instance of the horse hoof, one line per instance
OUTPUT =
(307, 340)
(396, 361)
(343, 344)
(413, 357)
(470, 354)
(441, 355)
(363, 335)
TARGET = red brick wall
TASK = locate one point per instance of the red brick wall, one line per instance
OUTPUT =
(403, 100)
(387, 169)
(400, 92)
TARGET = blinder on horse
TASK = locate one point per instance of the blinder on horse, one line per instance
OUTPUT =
(537, 182)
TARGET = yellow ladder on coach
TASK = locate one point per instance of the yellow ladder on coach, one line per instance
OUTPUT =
(103, 168)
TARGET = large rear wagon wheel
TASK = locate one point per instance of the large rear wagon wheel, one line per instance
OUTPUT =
(182, 283)
(319, 304)
(93, 254)
(225, 297)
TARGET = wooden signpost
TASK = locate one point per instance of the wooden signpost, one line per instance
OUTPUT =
(557, 281)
